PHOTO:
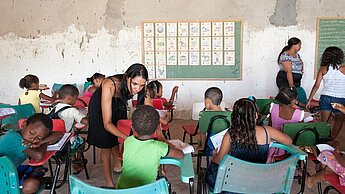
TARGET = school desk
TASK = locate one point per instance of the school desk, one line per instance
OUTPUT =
(57, 156)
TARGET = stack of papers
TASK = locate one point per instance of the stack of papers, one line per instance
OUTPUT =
(6, 111)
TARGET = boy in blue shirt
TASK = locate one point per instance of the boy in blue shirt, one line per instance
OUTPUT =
(31, 141)
(142, 154)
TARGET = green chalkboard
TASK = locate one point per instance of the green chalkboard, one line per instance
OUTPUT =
(213, 49)
(330, 32)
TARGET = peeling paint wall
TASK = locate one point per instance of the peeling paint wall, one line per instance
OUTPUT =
(66, 41)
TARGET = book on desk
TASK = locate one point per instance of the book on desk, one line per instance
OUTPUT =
(57, 146)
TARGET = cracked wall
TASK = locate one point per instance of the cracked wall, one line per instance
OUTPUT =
(66, 41)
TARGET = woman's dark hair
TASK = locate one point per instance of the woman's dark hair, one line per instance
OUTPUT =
(292, 41)
(135, 70)
(332, 56)
(243, 123)
(286, 94)
(27, 81)
(43, 118)
(95, 76)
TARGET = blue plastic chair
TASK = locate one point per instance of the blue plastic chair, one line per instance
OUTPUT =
(235, 175)
(79, 187)
(56, 86)
(8, 176)
(23, 111)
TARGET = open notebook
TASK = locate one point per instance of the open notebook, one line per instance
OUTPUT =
(60, 143)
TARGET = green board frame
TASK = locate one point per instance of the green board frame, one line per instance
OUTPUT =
(330, 32)
(210, 72)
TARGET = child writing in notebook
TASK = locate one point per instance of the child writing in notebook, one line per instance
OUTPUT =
(334, 161)
(64, 110)
(142, 154)
(32, 94)
(283, 113)
(246, 139)
(96, 80)
(212, 99)
(31, 141)
(159, 94)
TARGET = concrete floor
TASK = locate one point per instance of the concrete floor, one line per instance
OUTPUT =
(96, 179)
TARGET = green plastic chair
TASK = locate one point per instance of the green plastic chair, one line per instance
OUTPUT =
(79, 187)
(205, 118)
(307, 134)
(264, 105)
(235, 175)
(8, 176)
(23, 111)
(210, 122)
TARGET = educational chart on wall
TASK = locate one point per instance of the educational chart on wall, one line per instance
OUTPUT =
(192, 49)
(330, 32)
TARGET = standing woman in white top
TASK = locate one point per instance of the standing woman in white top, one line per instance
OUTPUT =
(333, 75)
(290, 65)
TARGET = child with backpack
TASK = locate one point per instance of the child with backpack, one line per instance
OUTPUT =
(64, 110)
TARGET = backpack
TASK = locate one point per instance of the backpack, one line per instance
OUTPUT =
(55, 115)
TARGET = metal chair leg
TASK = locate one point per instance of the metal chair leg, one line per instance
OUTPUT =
(184, 136)
(84, 164)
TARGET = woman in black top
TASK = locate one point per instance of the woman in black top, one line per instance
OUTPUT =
(108, 105)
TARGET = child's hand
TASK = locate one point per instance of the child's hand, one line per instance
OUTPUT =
(31, 144)
(337, 105)
(175, 89)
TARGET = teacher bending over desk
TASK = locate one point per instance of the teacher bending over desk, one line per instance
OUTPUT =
(108, 105)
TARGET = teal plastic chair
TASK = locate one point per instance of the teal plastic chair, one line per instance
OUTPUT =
(79, 187)
(8, 176)
(23, 111)
(301, 95)
(56, 86)
(86, 85)
(235, 175)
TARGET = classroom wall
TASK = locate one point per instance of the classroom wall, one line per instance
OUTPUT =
(66, 41)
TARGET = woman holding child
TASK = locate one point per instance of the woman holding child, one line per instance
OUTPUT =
(108, 105)
(290, 65)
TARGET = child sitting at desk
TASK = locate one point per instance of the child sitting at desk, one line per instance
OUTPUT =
(96, 80)
(246, 139)
(142, 154)
(64, 110)
(213, 98)
(283, 113)
(159, 94)
(31, 141)
(151, 90)
(334, 161)
(32, 94)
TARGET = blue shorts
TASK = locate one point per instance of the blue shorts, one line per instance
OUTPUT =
(325, 103)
